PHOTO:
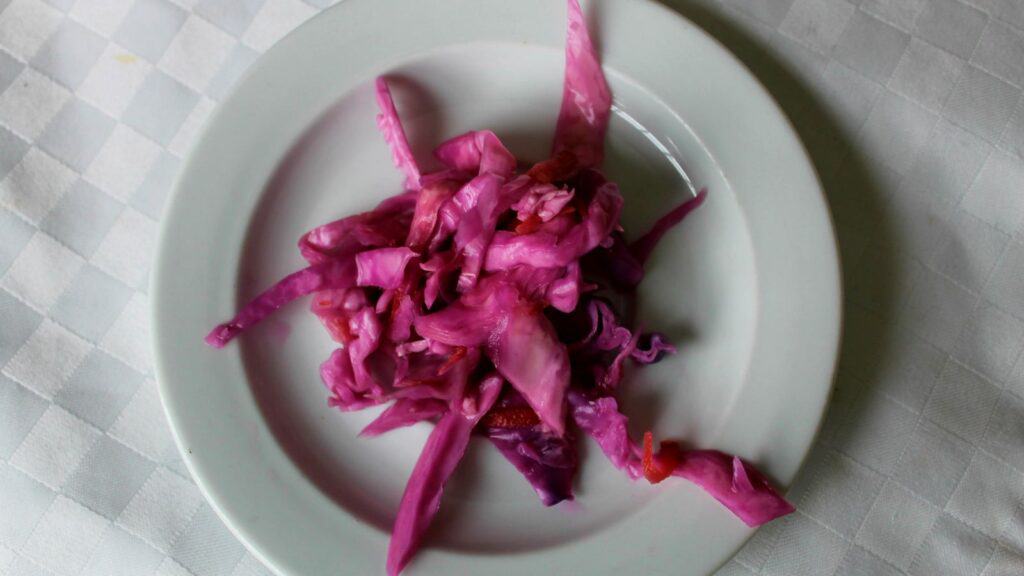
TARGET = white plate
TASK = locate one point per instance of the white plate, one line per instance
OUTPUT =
(748, 286)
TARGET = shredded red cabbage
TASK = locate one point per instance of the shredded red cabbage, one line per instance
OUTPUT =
(643, 247)
(477, 276)
(394, 134)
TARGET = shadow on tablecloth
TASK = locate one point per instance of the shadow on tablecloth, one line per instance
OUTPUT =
(857, 195)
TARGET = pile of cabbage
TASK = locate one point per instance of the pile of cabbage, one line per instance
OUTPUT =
(477, 300)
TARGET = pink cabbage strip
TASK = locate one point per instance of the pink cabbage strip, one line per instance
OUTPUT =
(657, 345)
(544, 201)
(479, 152)
(385, 225)
(643, 246)
(600, 418)
(477, 225)
(737, 485)
(586, 99)
(404, 412)
(390, 127)
(429, 202)
(382, 267)
(548, 462)
(528, 353)
(339, 379)
(327, 275)
(422, 498)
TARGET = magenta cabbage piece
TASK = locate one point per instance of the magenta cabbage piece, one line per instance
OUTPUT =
(737, 485)
(734, 483)
(605, 332)
(600, 418)
(405, 412)
(563, 294)
(477, 225)
(586, 98)
(439, 268)
(655, 348)
(643, 247)
(368, 327)
(404, 310)
(386, 225)
(422, 498)
(480, 151)
(614, 265)
(608, 344)
(382, 267)
(394, 134)
(527, 352)
(480, 274)
(324, 276)
(543, 201)
(336, 373)
(432, 197)
(546, 460)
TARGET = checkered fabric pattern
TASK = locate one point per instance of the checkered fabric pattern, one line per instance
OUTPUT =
(914, 115)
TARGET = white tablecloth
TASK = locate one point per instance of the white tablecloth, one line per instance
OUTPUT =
(912, 110)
